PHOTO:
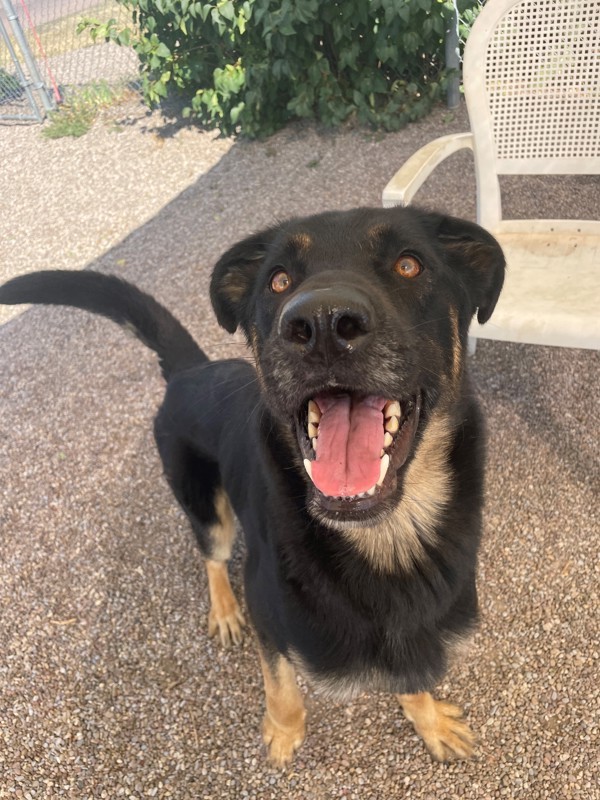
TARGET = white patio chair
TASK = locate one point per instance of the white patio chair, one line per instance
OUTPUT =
(532, 85)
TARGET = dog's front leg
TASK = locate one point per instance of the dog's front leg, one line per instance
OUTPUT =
(283, 723)
(225, 616)
(440, 726)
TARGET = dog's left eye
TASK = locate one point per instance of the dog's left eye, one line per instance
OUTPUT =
(408, 266)
(280, 282)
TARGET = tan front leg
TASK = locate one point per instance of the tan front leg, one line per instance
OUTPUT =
(440, 726)
(283, 723)
(225, 616)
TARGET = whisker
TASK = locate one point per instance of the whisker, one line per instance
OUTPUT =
(428, 322)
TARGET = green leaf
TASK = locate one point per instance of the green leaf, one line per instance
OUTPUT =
(162, 51)
(235, 112)
(227, 10)
(160, 89)
(404, 13)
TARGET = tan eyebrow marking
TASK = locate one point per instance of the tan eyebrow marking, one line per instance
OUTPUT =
(301, 241)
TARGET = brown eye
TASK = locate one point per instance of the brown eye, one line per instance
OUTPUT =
(280, 282)
(408, 266)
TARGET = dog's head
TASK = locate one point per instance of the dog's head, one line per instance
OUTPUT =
(358, 322)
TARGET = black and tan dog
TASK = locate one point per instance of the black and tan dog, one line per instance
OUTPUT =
(352, 454)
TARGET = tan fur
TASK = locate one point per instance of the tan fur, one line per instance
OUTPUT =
(225, 616)
(234, 286)
(344, 688)
(222, 533)
(397, 542)
(284, 720)
(301, 241)
(440, 726)
(457, 354)
(458, 647)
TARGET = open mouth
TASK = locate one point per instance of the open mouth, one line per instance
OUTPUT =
(354, 444)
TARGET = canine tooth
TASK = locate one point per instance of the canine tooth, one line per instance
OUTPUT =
(308, 467)
(387, 439)
(392, 424)
(385, 462)
(313, 430)
(392, 409)
(314, 443)
(314, 412)
(371, 491)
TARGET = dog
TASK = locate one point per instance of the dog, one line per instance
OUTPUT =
(352, 452)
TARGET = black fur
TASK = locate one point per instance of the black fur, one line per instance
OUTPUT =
(312, 593)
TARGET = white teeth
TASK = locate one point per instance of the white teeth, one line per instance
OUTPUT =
(387, 439)
(314, 412)
(369, 493)
(392, 409)
(392, 424)
(308, 467)
(314, 444)
(383, 468)
(314, 417)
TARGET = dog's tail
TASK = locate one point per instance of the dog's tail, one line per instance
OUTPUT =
(116, 299)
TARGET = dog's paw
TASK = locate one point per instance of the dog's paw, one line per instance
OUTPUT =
(450, 737)
(228, 622)
(445, 734)
(281, 743)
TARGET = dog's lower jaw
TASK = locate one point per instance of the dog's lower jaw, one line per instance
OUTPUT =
(396, 538)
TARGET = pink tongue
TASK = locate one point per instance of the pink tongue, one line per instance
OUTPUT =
(349, 444)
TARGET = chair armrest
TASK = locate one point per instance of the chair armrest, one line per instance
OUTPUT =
(415, 171)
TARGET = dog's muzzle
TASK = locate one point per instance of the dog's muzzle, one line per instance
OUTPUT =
(353, 433)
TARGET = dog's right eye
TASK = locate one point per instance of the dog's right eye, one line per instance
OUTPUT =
(280, 282)
(408, 266)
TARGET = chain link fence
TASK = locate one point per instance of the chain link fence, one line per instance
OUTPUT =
(43, 58)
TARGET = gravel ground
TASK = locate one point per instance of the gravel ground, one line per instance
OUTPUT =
(110, 686)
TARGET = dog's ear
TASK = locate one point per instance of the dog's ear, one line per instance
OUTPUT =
(478, 258)
(234, 275)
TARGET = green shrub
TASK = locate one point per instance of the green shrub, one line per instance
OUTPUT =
(250, 66)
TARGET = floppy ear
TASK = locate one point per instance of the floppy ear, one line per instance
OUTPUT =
(478, 258)
(234, 275)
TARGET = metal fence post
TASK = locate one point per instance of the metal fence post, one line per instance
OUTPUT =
(35, 81)
(24, 82)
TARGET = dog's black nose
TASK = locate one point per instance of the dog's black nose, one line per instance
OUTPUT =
(326, 319)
